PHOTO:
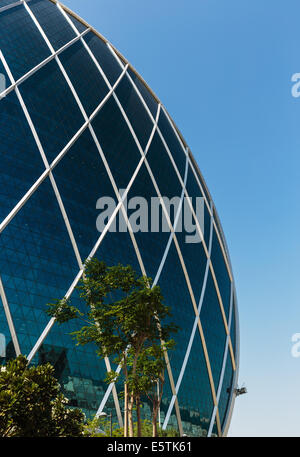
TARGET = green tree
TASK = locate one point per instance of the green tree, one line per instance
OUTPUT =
(151, 377)
(31, 404)
(124, 314)
(100, 427)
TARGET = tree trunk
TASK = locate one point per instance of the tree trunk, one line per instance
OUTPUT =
(154, 420)
(134, 365)
(130, 416)
(125, 410)
(138, 415)
(156, 403)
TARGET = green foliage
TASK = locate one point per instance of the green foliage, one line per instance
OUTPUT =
(62, 311)
(100, 427)
(31, 404)
(125, 319)
(170, 432)
(147, 430)
(150, 367)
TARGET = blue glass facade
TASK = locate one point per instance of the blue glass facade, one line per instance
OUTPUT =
(82, 125)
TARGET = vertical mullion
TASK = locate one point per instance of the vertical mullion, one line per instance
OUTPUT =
(9, 319)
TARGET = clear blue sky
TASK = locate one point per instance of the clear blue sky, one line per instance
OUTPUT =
(223, 70)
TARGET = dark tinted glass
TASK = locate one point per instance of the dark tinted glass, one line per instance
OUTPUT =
(214, 432)
(176, 295)
(226, 390)
(217, 221)
(6, 2)
(82, 179)
(116, 142)
(52, 108)
(192, 251)
(52, 21)
(213, 328)
(166, 399)
(162, 169)
(200, 178)
(233, 330)
(7, 350)
(37, 263)
(104, 57)
(85, 76)
(221, 273)
(118, 248)
(78, 369)
(135, 111)
(195, 396)
(21, 162)
(20, 41)
(150, 101)
(151, 244)
(194, 192)
(79, 26)
(4, 80)
(173, 143)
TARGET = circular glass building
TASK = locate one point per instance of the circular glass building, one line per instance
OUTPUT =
(81, 134)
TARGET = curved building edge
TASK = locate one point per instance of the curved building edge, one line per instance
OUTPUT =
(218, 228)
(213, 210)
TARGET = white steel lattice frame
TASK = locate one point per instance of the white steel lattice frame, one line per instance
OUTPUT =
(190, 166)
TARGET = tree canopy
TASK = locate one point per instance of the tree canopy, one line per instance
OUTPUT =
(31, 404)
(126, 320)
